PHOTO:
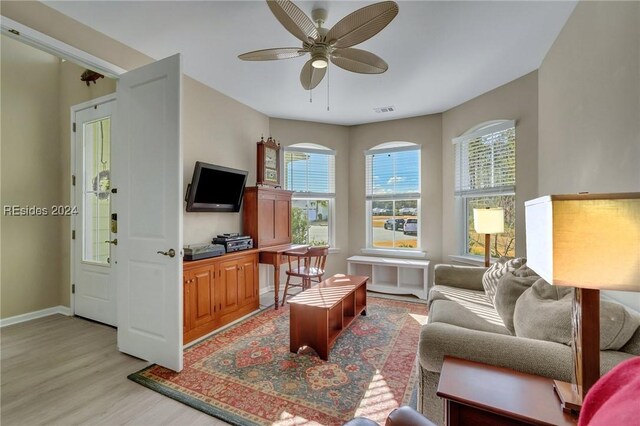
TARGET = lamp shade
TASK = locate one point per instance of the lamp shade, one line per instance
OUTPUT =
(585, 240)
(488, 221)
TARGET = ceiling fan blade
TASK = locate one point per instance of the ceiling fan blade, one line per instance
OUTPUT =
(360, 61)
(310, 77)
(293, 19)
(362, 24)
(272, 54)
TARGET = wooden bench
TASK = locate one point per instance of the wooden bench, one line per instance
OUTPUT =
(319, 314)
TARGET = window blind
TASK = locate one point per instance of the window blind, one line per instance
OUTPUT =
(486, 164)
(393, 174)
(310, 172)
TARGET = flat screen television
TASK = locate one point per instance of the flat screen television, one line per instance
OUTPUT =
(215, 188)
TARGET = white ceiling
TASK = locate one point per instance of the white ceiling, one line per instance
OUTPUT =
(440, 53)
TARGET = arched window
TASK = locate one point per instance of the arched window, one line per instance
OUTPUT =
(486, 177)
(393, 196)
(309, 171)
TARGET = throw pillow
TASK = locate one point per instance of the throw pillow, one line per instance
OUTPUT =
(543, 312)
(498, 269)
(525, 271)
(510, 287)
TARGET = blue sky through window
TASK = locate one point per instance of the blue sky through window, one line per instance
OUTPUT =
(395, 172)
(308, 172)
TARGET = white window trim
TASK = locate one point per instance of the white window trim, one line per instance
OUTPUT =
(480, 130)
(385, 148)
(484, 129)
(311, 148)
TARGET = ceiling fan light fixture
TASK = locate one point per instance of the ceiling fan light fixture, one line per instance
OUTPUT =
(324, 44)
(319, 61)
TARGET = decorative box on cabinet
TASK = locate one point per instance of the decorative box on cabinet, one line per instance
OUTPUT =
(391, 275)
(267, 216)
(218, 291)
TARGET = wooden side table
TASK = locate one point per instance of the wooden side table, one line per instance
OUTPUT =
(481, 394)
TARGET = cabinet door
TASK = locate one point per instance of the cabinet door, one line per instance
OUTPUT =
(266, 221)
(228, 300)
(282, 218)
(248, 280)
(202, 296)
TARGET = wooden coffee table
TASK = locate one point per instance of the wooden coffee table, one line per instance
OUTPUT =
(481, 394)
(319, 314)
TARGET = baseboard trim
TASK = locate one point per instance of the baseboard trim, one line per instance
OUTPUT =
(64, 310)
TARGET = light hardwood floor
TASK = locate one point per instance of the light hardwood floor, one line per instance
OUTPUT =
(63, 370)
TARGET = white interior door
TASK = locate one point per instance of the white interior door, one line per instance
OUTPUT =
(147, 159)
(94, 284)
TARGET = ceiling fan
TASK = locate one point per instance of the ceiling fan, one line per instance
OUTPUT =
(329, 44)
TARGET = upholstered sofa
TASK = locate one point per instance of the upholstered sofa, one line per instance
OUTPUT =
(464, 323)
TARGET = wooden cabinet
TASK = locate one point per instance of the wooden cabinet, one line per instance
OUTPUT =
(199, 298)
(267, 216)
(218, 291)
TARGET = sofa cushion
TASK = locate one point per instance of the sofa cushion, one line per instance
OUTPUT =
(498, 269)
(510, 287)
(445, 292)
(544, 312)
(471, 316)
(464, 308)
(633, 345)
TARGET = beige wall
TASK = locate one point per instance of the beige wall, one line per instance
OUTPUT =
(517, 100)
(31, 146)
(590, 106)
(425, 131)
(289, 132)
(216, 129)
(38, 85)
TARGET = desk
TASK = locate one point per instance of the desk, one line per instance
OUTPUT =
(274, 256)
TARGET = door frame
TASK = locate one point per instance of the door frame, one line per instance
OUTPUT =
(72, 253)
(26, 35)
(31, 37)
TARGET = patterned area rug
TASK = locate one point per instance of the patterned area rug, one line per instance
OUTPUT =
(245, 375)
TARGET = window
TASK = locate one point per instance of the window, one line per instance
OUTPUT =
(486, 177)
(393, 196)
(310, 172)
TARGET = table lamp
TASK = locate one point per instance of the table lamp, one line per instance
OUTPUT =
(488, 221)
(589, 242)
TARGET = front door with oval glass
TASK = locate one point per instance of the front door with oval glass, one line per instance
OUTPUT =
(95, 224)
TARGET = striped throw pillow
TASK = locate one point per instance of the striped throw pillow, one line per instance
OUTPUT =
(498, 269)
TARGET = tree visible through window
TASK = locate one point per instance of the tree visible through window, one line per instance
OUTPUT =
(393, 195)
(309, 172)
(486, 177)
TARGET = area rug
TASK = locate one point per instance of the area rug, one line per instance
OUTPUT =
(245, 375)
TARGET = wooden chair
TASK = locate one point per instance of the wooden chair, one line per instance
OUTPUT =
(307, 264)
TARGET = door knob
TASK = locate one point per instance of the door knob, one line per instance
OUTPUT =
(114, 241)
(170, 253)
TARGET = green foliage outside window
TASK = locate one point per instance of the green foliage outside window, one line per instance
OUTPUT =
(299, 226)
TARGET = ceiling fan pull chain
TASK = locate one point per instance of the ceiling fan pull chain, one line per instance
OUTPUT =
(310, 96)
(328, 80)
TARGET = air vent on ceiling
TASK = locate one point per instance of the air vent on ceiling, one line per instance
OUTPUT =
(385, 109)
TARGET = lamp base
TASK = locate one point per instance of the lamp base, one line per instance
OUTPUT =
(570, 398)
